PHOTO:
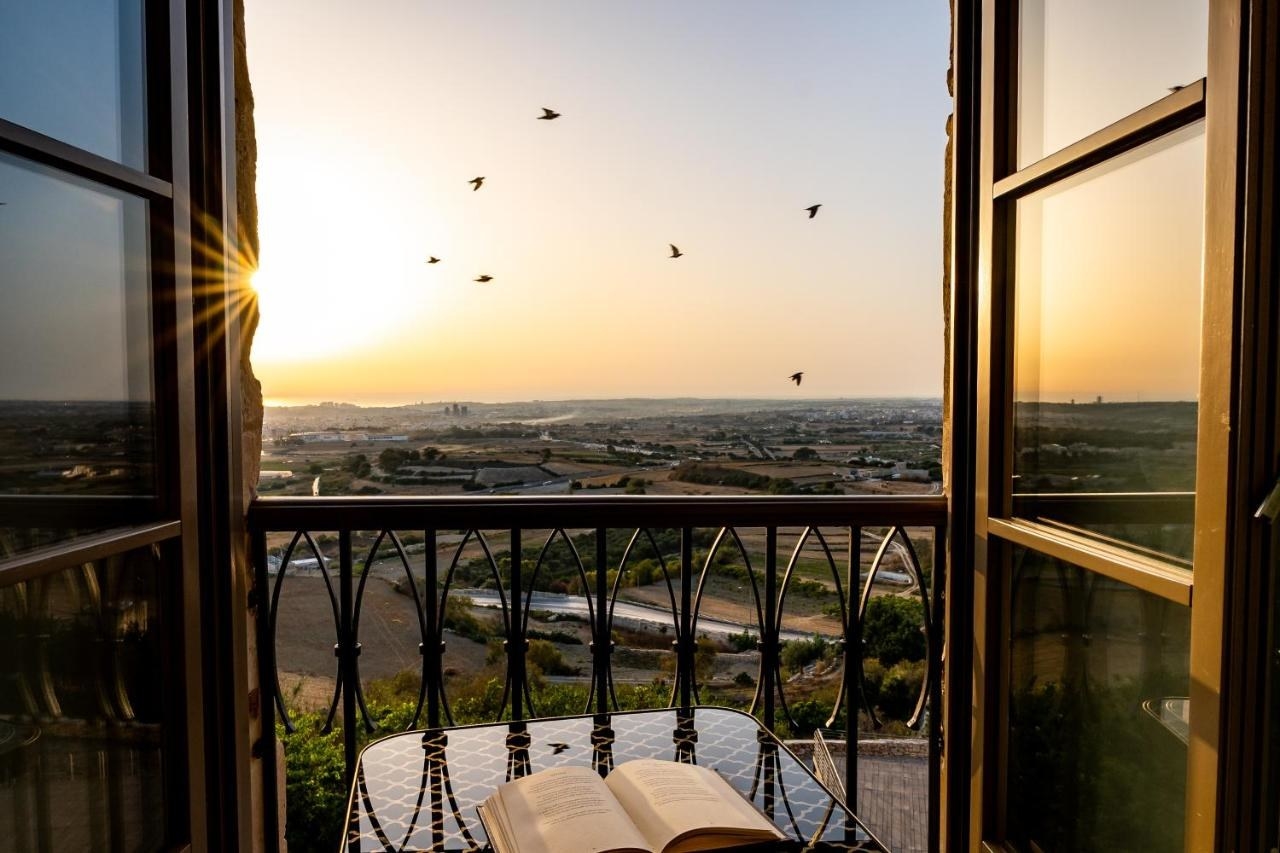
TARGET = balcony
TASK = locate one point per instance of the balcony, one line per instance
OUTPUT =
(758, 603)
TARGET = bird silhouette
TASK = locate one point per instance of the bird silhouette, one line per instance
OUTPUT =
(1173, 89)
(479, 182)
(813, 211)
(557, 747)
(675, 253)
(482, 279)
(548, 115)
(796, 377)
(433, 260)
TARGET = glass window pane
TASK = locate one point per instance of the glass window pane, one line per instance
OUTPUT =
(1106, 346)
(74, 70)
(1084, 64)
(81, 732)
(76, 416)
(1097, 712)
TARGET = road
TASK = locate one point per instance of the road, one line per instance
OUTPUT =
(623, 613)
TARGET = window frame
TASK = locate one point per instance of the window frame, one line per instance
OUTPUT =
(196, 513)
(996, 530)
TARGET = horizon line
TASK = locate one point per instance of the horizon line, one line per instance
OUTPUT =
(268, 403)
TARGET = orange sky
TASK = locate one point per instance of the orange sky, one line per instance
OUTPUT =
(709, 125)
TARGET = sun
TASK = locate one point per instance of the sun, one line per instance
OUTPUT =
(331, 280)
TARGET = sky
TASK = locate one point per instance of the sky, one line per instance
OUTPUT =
(711, 125)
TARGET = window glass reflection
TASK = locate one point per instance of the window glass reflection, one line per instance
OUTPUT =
(1106, 346)
(81, 741)
(74, 70)
(75, 341)
(1084, 64)
(1097, 712)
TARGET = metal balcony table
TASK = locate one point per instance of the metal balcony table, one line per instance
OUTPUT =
(419, 790)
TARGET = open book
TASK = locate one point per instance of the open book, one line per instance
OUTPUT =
(644, 806)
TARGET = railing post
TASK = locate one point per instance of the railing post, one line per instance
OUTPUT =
(604, 642)
(433, 648)
(347, 650)
(769, 634)
(516, 642)
(266, 746)
(937, 587)
(687, 644)
(852, 668)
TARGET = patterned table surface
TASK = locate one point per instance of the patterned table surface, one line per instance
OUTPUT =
(419, 790)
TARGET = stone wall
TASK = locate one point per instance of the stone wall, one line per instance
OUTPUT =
(250, 393)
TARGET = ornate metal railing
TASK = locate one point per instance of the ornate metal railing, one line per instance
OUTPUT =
(898, 529)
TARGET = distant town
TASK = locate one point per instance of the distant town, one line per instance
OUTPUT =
(677, 446)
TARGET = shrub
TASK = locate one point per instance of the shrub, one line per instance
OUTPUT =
(901, 688)
(548, 659)
(891, 629)
(797, 654)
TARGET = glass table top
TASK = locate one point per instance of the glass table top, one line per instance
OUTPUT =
(419, 790)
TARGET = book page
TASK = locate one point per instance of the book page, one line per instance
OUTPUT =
(667, 800)
(564, 808)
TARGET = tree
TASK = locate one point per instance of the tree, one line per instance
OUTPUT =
(797, 654)
(805, 453)
(392, 459)
(358, 465)
(891, 630)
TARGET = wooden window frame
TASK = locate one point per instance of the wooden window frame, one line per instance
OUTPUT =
(196, 514)
(1236, 444)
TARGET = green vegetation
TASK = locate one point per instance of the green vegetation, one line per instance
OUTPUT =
(797, 654)
(717, 475)
(393, 459)
(891, 629)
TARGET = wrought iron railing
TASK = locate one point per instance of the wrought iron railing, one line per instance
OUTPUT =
(899, 529)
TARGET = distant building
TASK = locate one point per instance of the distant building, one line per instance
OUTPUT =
(316, 437)
(910, 475)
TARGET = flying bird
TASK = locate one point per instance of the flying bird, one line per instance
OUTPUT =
(548, 114)
(433, 260)
(796, 377)
(557, 747)
(479, 182)
(482, 279)
(675, 253)
(813, 211)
